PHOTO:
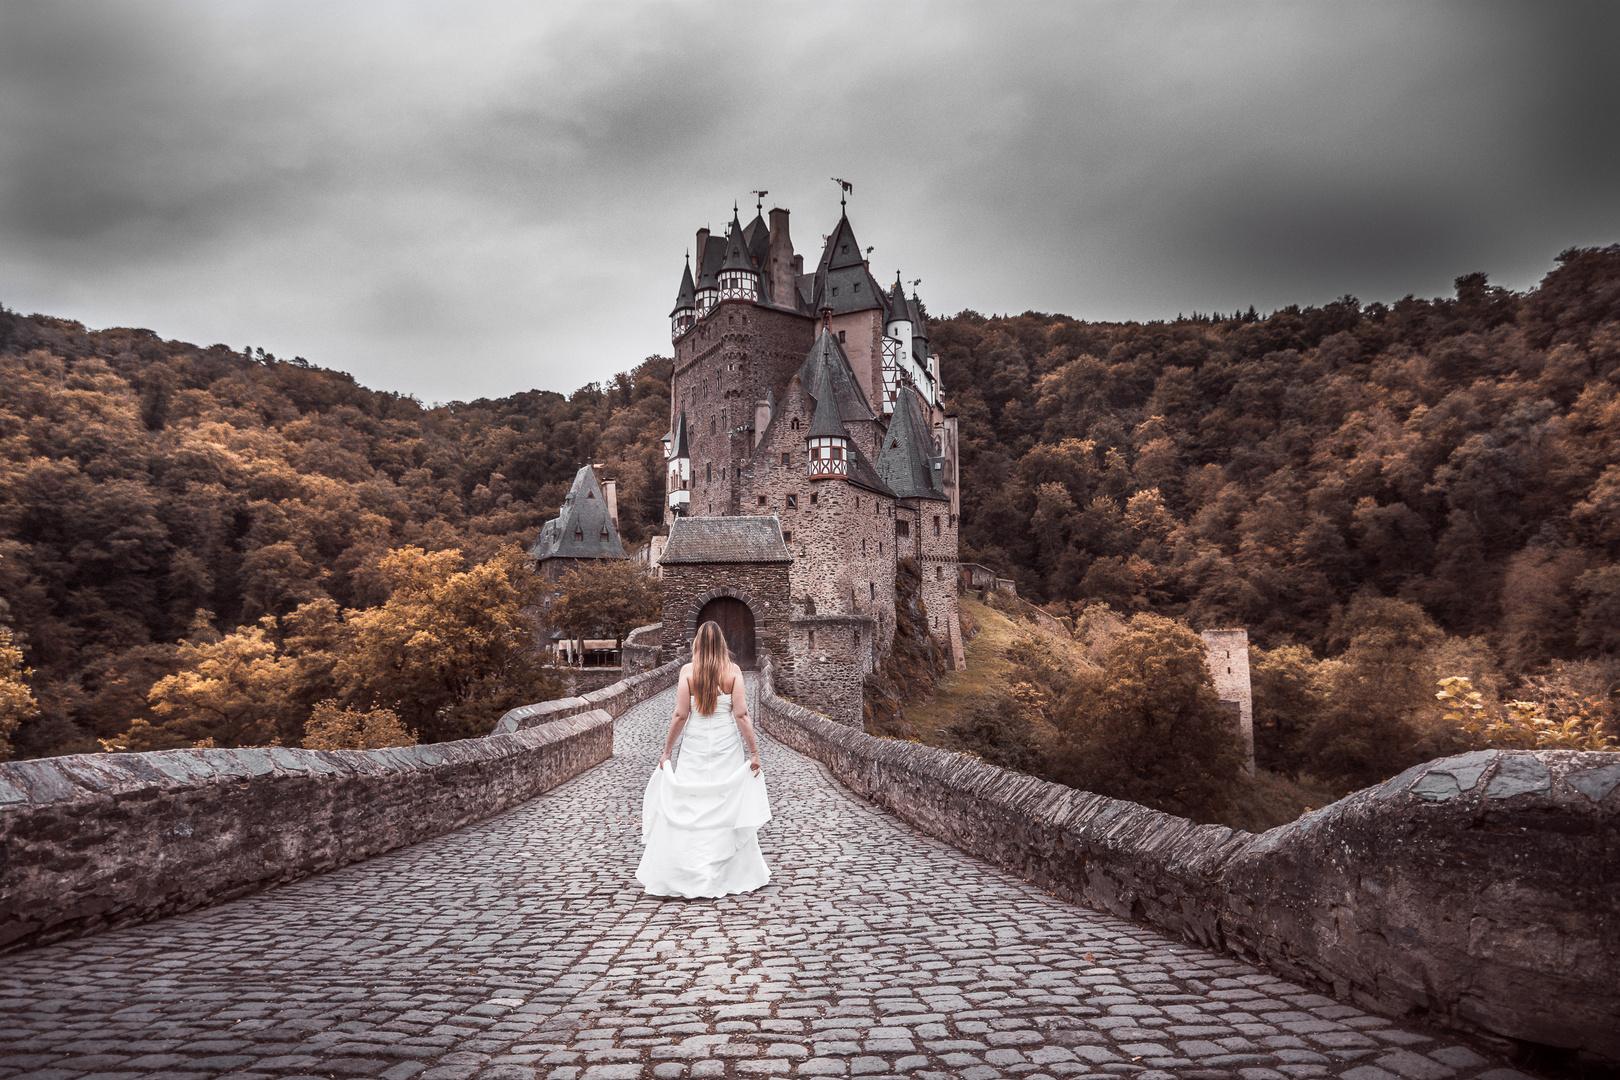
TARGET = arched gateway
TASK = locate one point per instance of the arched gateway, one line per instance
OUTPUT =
(733, 570)
(736, 622)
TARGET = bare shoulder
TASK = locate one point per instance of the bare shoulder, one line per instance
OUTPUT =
(734, 678)
(686, 673)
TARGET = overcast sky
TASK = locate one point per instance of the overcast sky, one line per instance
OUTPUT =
(476, 198)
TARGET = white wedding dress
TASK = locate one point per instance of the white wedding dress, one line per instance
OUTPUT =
(700, 815)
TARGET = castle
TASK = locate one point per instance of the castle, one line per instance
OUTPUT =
(809, 451)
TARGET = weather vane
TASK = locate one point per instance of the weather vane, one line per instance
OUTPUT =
(845, 188)
(759, 206)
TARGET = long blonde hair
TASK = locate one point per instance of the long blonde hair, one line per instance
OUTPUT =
(709, 659)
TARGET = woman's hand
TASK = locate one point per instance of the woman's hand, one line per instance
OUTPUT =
(753, 762)
(663, 761)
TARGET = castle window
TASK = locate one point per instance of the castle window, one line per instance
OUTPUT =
(936, 524)
(579, 534)
(872, 585)
(939, 573)
(762, 500)
(792, 502)
(902, 528)
(840, 337)
(794, 423)
(604, 534)
(812, 637)
(708, 472)
(787, 457)
(835, 290)
(787, 534)
(857, 639)
(880, 547)
(863, 547)
(812, 498)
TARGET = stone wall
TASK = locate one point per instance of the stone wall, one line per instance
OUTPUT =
(100, 840)
(828, 659)
(1476, 891)
(762, 586)
(641, 648)
(613, 700)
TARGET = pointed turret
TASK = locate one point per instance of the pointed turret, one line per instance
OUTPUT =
(710, 254)
(685, 313)
(678, 489)
(738, 278)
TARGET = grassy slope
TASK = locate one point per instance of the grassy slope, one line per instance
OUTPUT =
(1267, 800)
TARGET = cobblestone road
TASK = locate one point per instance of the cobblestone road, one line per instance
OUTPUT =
(523, 948)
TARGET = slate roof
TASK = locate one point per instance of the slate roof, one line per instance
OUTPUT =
(677, 438)
(577, 530)
(843, 282)
(709, 260)
(906, 462)
(747, 539)
(687, 297)
(827, 354)
(738, 256)
(898, 308)
(826, 423)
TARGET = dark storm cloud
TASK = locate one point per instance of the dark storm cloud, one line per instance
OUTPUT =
(477, 198)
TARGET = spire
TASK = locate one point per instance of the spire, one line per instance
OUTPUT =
(686, 299)
(680, 449)
(898, 312)
(826, 424)
(737, 253)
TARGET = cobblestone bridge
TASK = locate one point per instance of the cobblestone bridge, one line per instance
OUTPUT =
(522, 948)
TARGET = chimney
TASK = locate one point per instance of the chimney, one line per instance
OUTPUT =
(781, 260)
(702, 246)
(610, 495)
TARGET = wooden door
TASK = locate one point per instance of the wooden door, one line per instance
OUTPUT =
(736, 623)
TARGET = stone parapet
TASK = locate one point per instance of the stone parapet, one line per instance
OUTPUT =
(614, 699)
(1475, 891)
(100, 840)
(641, 648)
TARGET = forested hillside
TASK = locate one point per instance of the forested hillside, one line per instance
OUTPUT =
(1462, 454)
(1458, 457)
(153, 491)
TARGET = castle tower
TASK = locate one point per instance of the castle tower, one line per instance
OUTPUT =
(685, 312)
(737, 277)
(1227, 654)
(774, 411)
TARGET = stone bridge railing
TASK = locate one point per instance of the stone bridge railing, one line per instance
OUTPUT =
(92, 841)
(1482, 891)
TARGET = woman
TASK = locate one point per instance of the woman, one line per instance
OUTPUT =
(698, 821)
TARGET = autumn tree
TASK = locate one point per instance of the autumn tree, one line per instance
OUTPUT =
(16, 701)
(611, 596)
(1148, 726)
(452, 648)
(332, 727)
(1375, 693)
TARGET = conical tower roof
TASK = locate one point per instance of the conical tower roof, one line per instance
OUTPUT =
(826, 355)
(906, 462)
(687, 297)
(678, 444)
(737, 254)
(897, 301)
(826, 424)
